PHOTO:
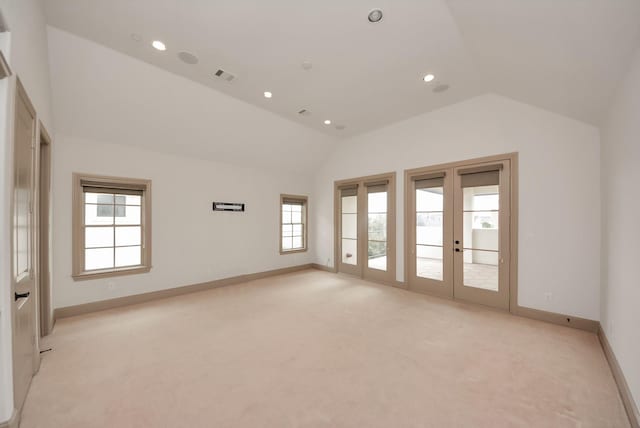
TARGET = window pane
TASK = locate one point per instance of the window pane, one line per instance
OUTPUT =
(350, 204)
(105, 210)
(120, 211)
(98, 214)
(430, 199)
(287, 243)
(350, 251)
(350, 226)
(129, 235)
(287, 230)
(377, 255)
(296, 208)
(129, 199)
(481, 269)
(297, 230)
(132, 215)
(378, 227)
(104, 198)
(377, 202)
(297, 242)
(429, 229)
(429, 262)
(101, 258)
(296, 217)
(92, 198)
(98, 237)
(128, 256)
(286, 216)
(483, 219)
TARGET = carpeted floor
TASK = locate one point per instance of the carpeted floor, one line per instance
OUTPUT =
(313, 349)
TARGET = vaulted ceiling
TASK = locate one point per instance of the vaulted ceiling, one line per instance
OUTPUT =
(565, 56)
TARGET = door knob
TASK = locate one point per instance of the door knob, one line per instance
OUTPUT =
(457, 250)
(457, 242)
(21, 295)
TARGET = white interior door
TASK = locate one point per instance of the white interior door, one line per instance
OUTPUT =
(23, 296)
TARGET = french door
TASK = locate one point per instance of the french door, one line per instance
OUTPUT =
(459, 231)
(365, 226)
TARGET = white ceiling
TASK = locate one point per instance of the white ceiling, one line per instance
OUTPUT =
(563, 55)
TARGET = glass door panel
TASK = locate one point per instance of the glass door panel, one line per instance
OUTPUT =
(349, 226)
(431, 205)
(481, 229)
(481, 233)
(377, 202)
(429, 229)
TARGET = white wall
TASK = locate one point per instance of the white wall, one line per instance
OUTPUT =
(621, 228)
(191, 243)
(118, 116)
(25, 48)
(559, 248)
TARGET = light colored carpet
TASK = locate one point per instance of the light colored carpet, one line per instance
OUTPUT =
(314, 349)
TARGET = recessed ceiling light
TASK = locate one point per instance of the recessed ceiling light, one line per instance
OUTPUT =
(327, 122)
(428, 77)
(159, 45)
(375, 15)
(268, 94)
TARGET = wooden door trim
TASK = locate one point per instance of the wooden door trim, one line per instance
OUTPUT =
(409, 174)
(44, 244)
(391, 222)
(410, 238)
(499, 300)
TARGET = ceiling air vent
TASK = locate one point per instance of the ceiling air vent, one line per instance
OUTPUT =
(304, 112)
(224, 75)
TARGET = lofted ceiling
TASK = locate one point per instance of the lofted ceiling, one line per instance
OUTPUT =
(562, 55)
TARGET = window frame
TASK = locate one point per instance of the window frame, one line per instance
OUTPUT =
(304, 200)
(78, 228)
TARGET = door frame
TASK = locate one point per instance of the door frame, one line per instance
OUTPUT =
(409, 202)
(426, 285)
(385, 277)
(43, 230)
(499, 299)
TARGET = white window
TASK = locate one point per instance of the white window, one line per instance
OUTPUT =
(111, 226)
(293, 223)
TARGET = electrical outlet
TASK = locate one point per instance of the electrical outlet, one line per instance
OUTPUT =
(111, 285)
(548, 296)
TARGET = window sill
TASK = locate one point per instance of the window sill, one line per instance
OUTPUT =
(301, 250)
(106, 273)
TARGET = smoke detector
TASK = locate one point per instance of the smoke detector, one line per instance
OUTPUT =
(375, 16)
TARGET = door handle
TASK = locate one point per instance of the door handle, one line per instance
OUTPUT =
(21, 295)
(458, 250)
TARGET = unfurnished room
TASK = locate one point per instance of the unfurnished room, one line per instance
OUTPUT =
(305, 214)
